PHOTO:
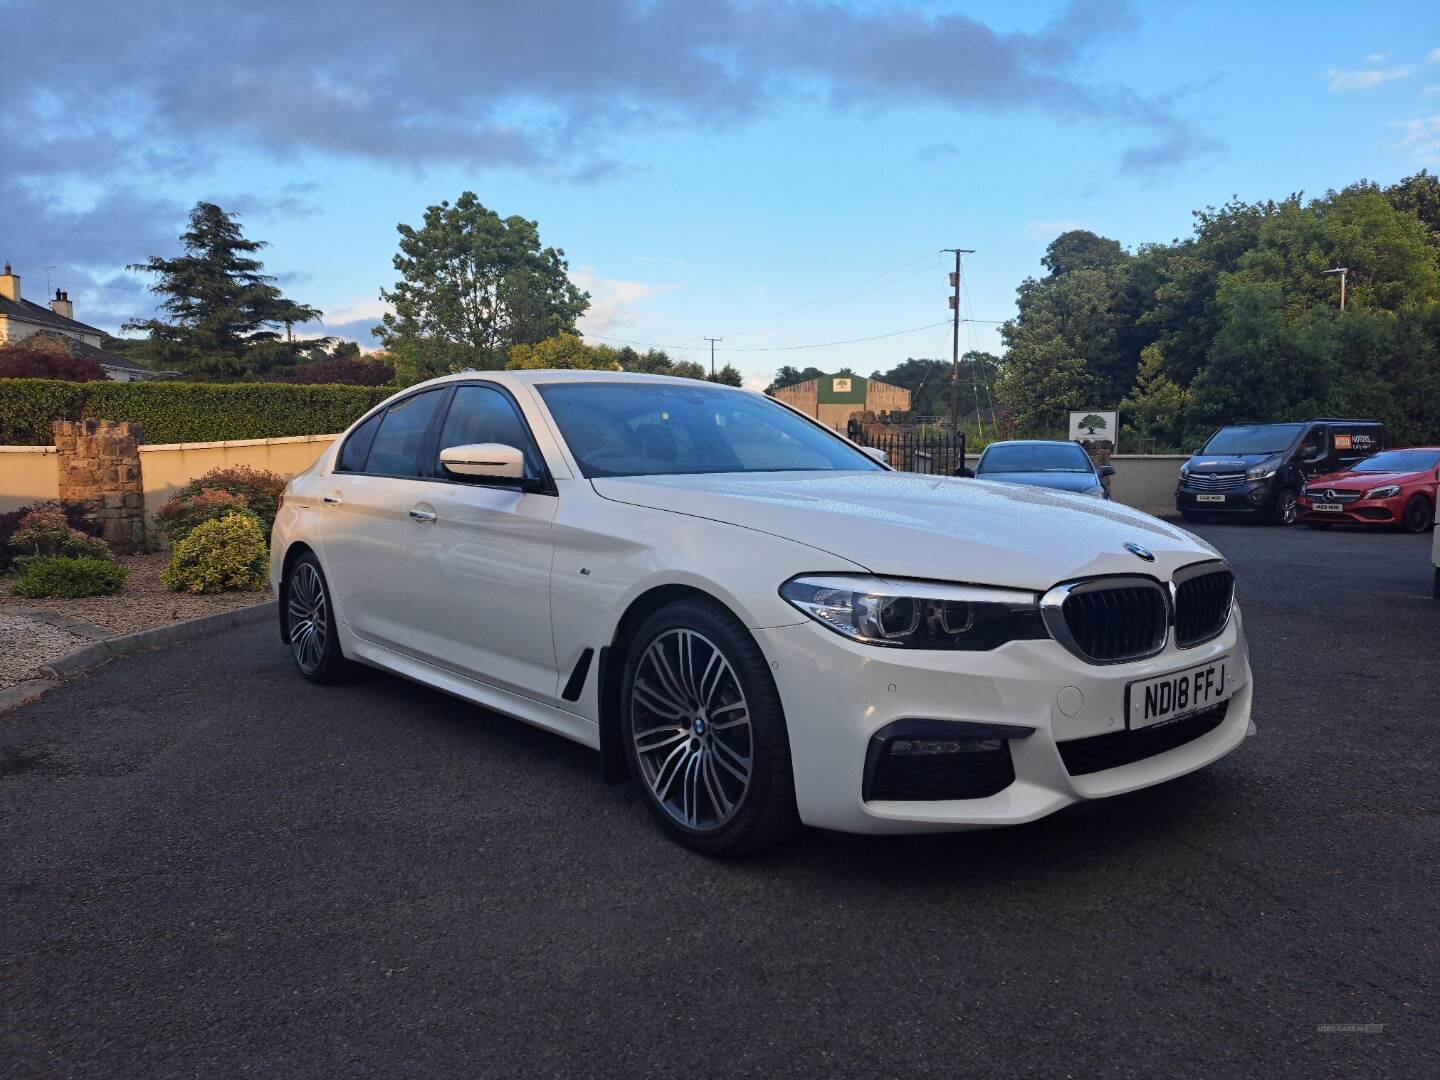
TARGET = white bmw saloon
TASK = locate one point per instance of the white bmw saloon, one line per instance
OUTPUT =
(758, 621)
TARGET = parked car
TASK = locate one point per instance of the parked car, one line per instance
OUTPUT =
(1397, 487)
(1043, 463)
(757, 622)
(1435, 561)
(1259, 470)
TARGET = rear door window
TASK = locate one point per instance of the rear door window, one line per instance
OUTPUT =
(401, 438)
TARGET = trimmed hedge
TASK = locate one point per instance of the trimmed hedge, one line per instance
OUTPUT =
(175, 412)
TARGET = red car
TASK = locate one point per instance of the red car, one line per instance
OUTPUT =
(1394, 487)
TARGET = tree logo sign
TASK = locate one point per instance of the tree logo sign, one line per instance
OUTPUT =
(1094, 425)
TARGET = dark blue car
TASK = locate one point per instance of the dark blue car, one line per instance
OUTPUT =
(1042, 463)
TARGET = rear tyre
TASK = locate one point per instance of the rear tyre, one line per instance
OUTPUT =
(310, 623)
(705, 733)
(1419, 515)
(1285, 508)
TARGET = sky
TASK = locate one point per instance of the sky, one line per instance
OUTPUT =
(780, 175)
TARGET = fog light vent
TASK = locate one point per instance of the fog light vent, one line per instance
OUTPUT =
(913, 760)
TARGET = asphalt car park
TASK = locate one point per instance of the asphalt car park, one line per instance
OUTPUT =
(215, 869)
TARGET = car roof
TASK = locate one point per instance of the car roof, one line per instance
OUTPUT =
(542, 376)
(1033, 442)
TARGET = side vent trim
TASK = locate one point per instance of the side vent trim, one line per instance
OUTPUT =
(576, 683)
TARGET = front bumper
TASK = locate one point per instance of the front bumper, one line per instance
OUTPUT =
(1360, 512)
(837, 694)
(1251, 498)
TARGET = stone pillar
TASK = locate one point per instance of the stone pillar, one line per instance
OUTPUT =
(1099, 451)
(100, 465)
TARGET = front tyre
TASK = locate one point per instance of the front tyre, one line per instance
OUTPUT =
(310, 623)
(1419, 515)
(705, 732)
(1285, 508)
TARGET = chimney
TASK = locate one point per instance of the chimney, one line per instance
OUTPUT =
(62, 306)
(9, 284)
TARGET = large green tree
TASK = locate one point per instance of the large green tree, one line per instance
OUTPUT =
(472, 285)
(227, 320)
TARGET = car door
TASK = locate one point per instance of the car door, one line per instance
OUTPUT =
(365, 521)
(481, 555)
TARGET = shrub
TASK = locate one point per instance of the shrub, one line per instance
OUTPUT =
(27, 362)
(181, 513)
(174, 412)
(46, 532)
(49, 575)
(76, 517)
(341, 370)
(219, 556)
(261, 490)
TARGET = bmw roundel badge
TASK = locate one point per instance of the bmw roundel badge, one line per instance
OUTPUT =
(1140, 552)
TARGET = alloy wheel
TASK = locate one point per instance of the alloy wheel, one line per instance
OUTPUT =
(308, 617)
(690, 724)
(1288, 508)
(1417, 515)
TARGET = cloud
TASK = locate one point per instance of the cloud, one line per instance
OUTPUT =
(354, 322)
(1434, 57)
(758, 380)
(1421, 138)
(1376, 57)
(1365, 80)
(611, 299)
(506, 84)
(938, 151)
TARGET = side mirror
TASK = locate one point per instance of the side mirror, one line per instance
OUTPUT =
(1107, 470)
(879, 455)
(966, 471)
(487, 461)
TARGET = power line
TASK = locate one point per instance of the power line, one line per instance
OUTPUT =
(753, 323)
(816, 305)
(772, 348)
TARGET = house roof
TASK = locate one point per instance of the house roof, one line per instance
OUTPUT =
(26, 311)
(105, 359)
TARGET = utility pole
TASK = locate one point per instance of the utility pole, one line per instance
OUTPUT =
(955, 338)
(712, 341)
(1342, 271)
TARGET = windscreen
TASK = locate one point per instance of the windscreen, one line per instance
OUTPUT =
(1034, 457)
(1399, 461)
(655, 429)
(1253, 439)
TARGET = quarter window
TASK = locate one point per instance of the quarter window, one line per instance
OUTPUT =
(357, 446)
(399, 441)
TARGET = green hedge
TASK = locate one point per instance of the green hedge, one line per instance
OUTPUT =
(182, 412)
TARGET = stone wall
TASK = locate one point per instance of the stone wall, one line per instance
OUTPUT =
(99, 464)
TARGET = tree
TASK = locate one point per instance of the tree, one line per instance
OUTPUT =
(1156, 405)
(563, 351)
(1419, 195)
(473, 285)
(1091, 421)
(345, 370)
(789, 376)
(1081, 249)
(33, 359)
(226, 318)
(729, 375)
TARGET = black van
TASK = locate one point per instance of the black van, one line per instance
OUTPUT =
(1257, 470)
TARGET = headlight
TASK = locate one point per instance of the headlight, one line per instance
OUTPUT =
(917, 614)
(1185, 469)
(1383, 492)
(1264, 470)
(1098, 491)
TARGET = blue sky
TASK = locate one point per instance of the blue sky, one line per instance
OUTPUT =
(710, 168)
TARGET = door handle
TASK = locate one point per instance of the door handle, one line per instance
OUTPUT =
(332, 500)
(423, 516)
